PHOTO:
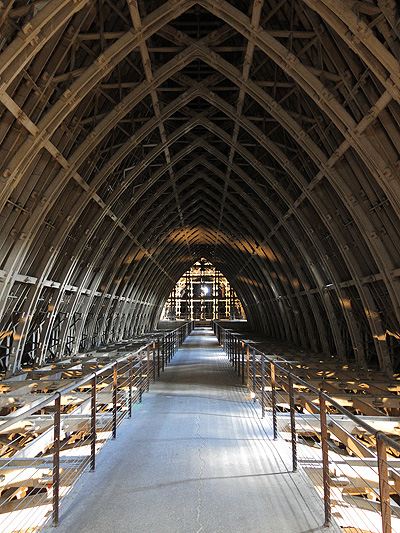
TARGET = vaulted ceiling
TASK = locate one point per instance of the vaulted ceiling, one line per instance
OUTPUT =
(139, 136)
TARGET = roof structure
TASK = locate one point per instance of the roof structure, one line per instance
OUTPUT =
(139, 136)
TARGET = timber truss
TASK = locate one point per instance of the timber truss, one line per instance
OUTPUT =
(139, 136)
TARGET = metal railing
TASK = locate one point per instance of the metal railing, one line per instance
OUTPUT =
(352, 463)
(54, 440)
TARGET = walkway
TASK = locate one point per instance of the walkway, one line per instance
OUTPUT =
(195, 458)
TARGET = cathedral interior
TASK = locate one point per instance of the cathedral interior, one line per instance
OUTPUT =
(140, 138)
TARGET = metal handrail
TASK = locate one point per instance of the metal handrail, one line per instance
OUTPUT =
(235, 349)
(167, 344)
(76, 384)
(389, 441)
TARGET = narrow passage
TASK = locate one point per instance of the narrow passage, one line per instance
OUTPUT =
(196, 457)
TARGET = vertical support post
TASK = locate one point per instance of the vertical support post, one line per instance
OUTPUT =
(384, 485)
(254, 375)
(163, 353)
(262, 386)
(248, 366)
(154, 360)
(140, 376)
(168, 348)
(158, 357)
(56, 459)
(115, 386)
(325, 460)
(273, 398)
(148, 368)
(292, 423)
(130, 386)
(93, 424)
(235, 353)
(242, 365)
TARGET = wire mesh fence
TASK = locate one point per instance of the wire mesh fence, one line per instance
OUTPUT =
(354, 466)
(47, 444)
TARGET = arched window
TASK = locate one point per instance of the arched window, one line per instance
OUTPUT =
(203, 293)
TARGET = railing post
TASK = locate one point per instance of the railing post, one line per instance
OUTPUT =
(273, 399)
(254, 376)
(140, 376)
(248, 366)
(148, 368)
(130, 386)
(115, 386)
(292, 423)
(242, 354)
(56, 459)
(237, 355)
(154, 360)
(325, 460)
(93, 424)
(383, 485)
(158, 357)
(262, 386)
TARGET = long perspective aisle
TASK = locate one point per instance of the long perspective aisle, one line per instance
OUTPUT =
(195, 457)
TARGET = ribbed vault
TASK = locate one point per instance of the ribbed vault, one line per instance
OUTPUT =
(139, 136)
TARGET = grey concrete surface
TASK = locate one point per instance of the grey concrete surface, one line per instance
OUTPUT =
(195, 457)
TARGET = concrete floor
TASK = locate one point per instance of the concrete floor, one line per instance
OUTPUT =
(196, 457)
